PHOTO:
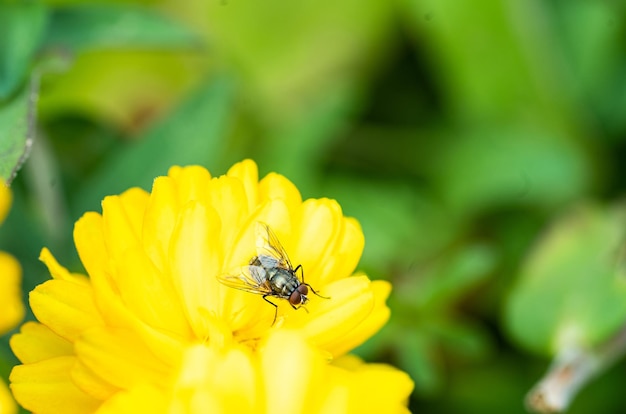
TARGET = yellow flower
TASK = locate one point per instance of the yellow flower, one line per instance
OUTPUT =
(11, 307)
(153, 261)
(286, 375)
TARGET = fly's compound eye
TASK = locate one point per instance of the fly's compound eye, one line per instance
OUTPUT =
(298, 296)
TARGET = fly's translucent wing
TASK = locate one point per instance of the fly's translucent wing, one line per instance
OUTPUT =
(269, 250)
(251, 279)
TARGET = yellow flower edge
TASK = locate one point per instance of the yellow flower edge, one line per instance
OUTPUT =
(285, 375)
(153, 261)
(5, 200)
(11, 306)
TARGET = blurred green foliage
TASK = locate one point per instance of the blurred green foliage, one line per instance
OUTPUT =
(456, 132)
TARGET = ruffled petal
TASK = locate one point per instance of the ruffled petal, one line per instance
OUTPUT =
(351, 301)
(248, 173)
(36, 342)
(276, 187)
(317, 230)
(150, 294)
(370, 325)
(47, 387)
(195, 260)
(376, 388)
(191, 183)
(67, 308)
(160, 220)
(140, 399)
(121, 358)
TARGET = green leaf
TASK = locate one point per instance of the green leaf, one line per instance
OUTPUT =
(491, 60)
(193, 134)
(116, 26)
(510, 165)
(450, 279)
(571, 290)
(17, 124)
(22, 25)
(290, 53)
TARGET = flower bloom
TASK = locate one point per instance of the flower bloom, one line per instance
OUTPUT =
(153, 310)
(11, 307)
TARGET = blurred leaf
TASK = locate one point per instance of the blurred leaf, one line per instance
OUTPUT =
(288, 54)
(493, 59)
(129, 89)
(450, 278)
(493, 167)
(296, 148)
(464, 338)
(569, 292)
(116, 26)
(194, 134)
(17, 128)
(593, 39)
(416, 355)
(21, 29)
(496, 387)
(401, 225)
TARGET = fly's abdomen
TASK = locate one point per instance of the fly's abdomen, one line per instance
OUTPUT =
(283, 282)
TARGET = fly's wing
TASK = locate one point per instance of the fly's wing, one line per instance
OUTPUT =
(251, 279)
(269, 250)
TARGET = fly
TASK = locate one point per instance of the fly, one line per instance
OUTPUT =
(271, 274)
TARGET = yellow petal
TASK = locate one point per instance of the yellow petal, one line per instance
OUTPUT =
(36, 342)
(276, 187)
(351, 301)
(120, 358)
(90, 383)
(317, 230)
(345, 254)
(134, 202)
(59, 272)
(229, 374)
(378, 388)
(12, 308)
(291, 370)
(120, 234)
(150, 294)
(113, 311)
(370, 325)
(89, 240)
(7, 403)
(5, 200)
(228, 197)
(191, 183)
(159, 221)
(247, 172)
(67, 308)
(140, 399)
(195, 260)
(46, 387)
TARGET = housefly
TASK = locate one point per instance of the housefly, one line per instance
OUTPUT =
(270, 273)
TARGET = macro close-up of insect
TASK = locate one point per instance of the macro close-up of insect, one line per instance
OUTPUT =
(271, 274)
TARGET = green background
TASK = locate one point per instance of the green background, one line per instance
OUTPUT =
(480, 144)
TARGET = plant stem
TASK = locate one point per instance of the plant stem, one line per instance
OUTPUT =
(571, 369)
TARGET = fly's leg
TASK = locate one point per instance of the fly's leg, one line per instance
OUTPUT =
(306, 284)
(313, 290)
(300, 307)
(274, 305)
